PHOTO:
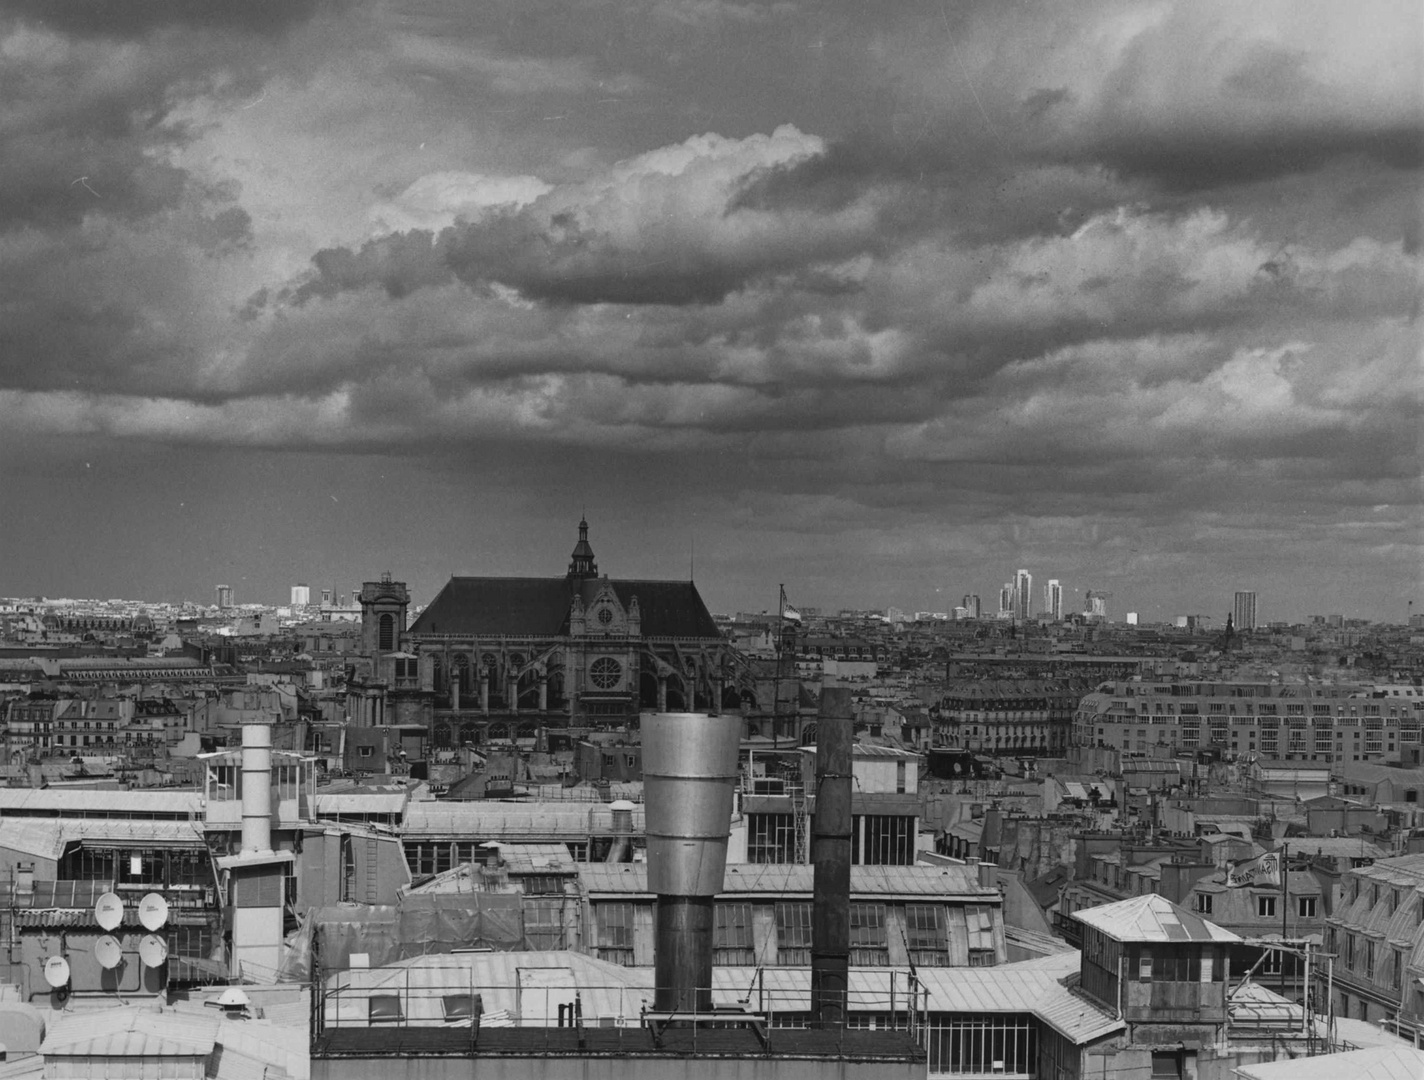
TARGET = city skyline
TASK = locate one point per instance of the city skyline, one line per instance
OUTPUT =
(881, 303)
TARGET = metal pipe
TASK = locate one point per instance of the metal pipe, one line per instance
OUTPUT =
(830, 854)
(689, 774)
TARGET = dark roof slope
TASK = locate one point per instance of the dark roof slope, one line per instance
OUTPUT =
(539, 607)
(668, 608)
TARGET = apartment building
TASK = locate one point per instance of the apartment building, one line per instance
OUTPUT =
(1287, 722)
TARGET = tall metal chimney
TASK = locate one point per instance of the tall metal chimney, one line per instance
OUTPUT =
(256, 787)
(830, 852)
(689, 776)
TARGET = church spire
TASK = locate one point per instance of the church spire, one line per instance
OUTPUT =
(582, 564)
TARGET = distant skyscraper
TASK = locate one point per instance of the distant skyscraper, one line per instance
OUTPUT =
(301, 595)
(1023, 594)
(971, 605)
(1053, 600)
(224, 596)
(1243, 616)
(1006, 600)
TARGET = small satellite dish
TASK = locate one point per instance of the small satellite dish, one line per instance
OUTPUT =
(109, 911)
(153, 950)
(108, 952)
(152, 911)
(56, 971)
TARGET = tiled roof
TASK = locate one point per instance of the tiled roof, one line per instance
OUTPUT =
(1151, 918)
(539, 607)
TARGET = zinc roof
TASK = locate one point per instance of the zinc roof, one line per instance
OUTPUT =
(131, 1032)
(61, 801)
(497, 820)
(361, 802)
(1376, 1063)
(1151, 918)
(778, 878)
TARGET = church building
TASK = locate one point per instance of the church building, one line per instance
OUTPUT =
(494, 658)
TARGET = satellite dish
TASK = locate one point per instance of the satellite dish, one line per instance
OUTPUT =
(153, 950)
(109, 911)
(56, 971)
(152, 911)
(108, 952)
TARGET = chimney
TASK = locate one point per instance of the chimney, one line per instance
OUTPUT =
(256, 787)
(830, 853)
(689, 772)
(621, 849)
(988, 875)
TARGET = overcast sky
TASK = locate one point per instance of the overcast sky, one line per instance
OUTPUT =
(882, 301)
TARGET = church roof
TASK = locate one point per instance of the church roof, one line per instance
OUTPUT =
(539, 607)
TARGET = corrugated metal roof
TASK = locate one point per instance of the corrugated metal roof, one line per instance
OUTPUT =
(131, 1032)
(1151, 918)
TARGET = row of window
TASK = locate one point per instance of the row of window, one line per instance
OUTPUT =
(925, 930)
(1306, 907)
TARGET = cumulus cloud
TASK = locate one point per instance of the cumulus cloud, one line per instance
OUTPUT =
(658, 228)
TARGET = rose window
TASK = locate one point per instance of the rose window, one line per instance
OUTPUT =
(605, 672)
(605, 616)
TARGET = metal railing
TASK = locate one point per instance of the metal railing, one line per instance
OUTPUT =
(449, 999)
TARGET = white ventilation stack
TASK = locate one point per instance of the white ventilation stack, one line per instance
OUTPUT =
(256, 787)
(257, 875)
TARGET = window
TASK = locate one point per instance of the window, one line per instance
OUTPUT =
(544, 924)
(1265, 906)
(867, 935)
(384, 1009)
(365, 751)
(889, 840)
(925, 936)
(615, 932)
(771, 838)
(979, 921)
(386, 640)
(793, 933)
(605, 672)
(899, 778)
(1203, 903)
(732, 935)
(1305, 907)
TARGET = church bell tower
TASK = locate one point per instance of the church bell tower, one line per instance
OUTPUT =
(582, 564)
